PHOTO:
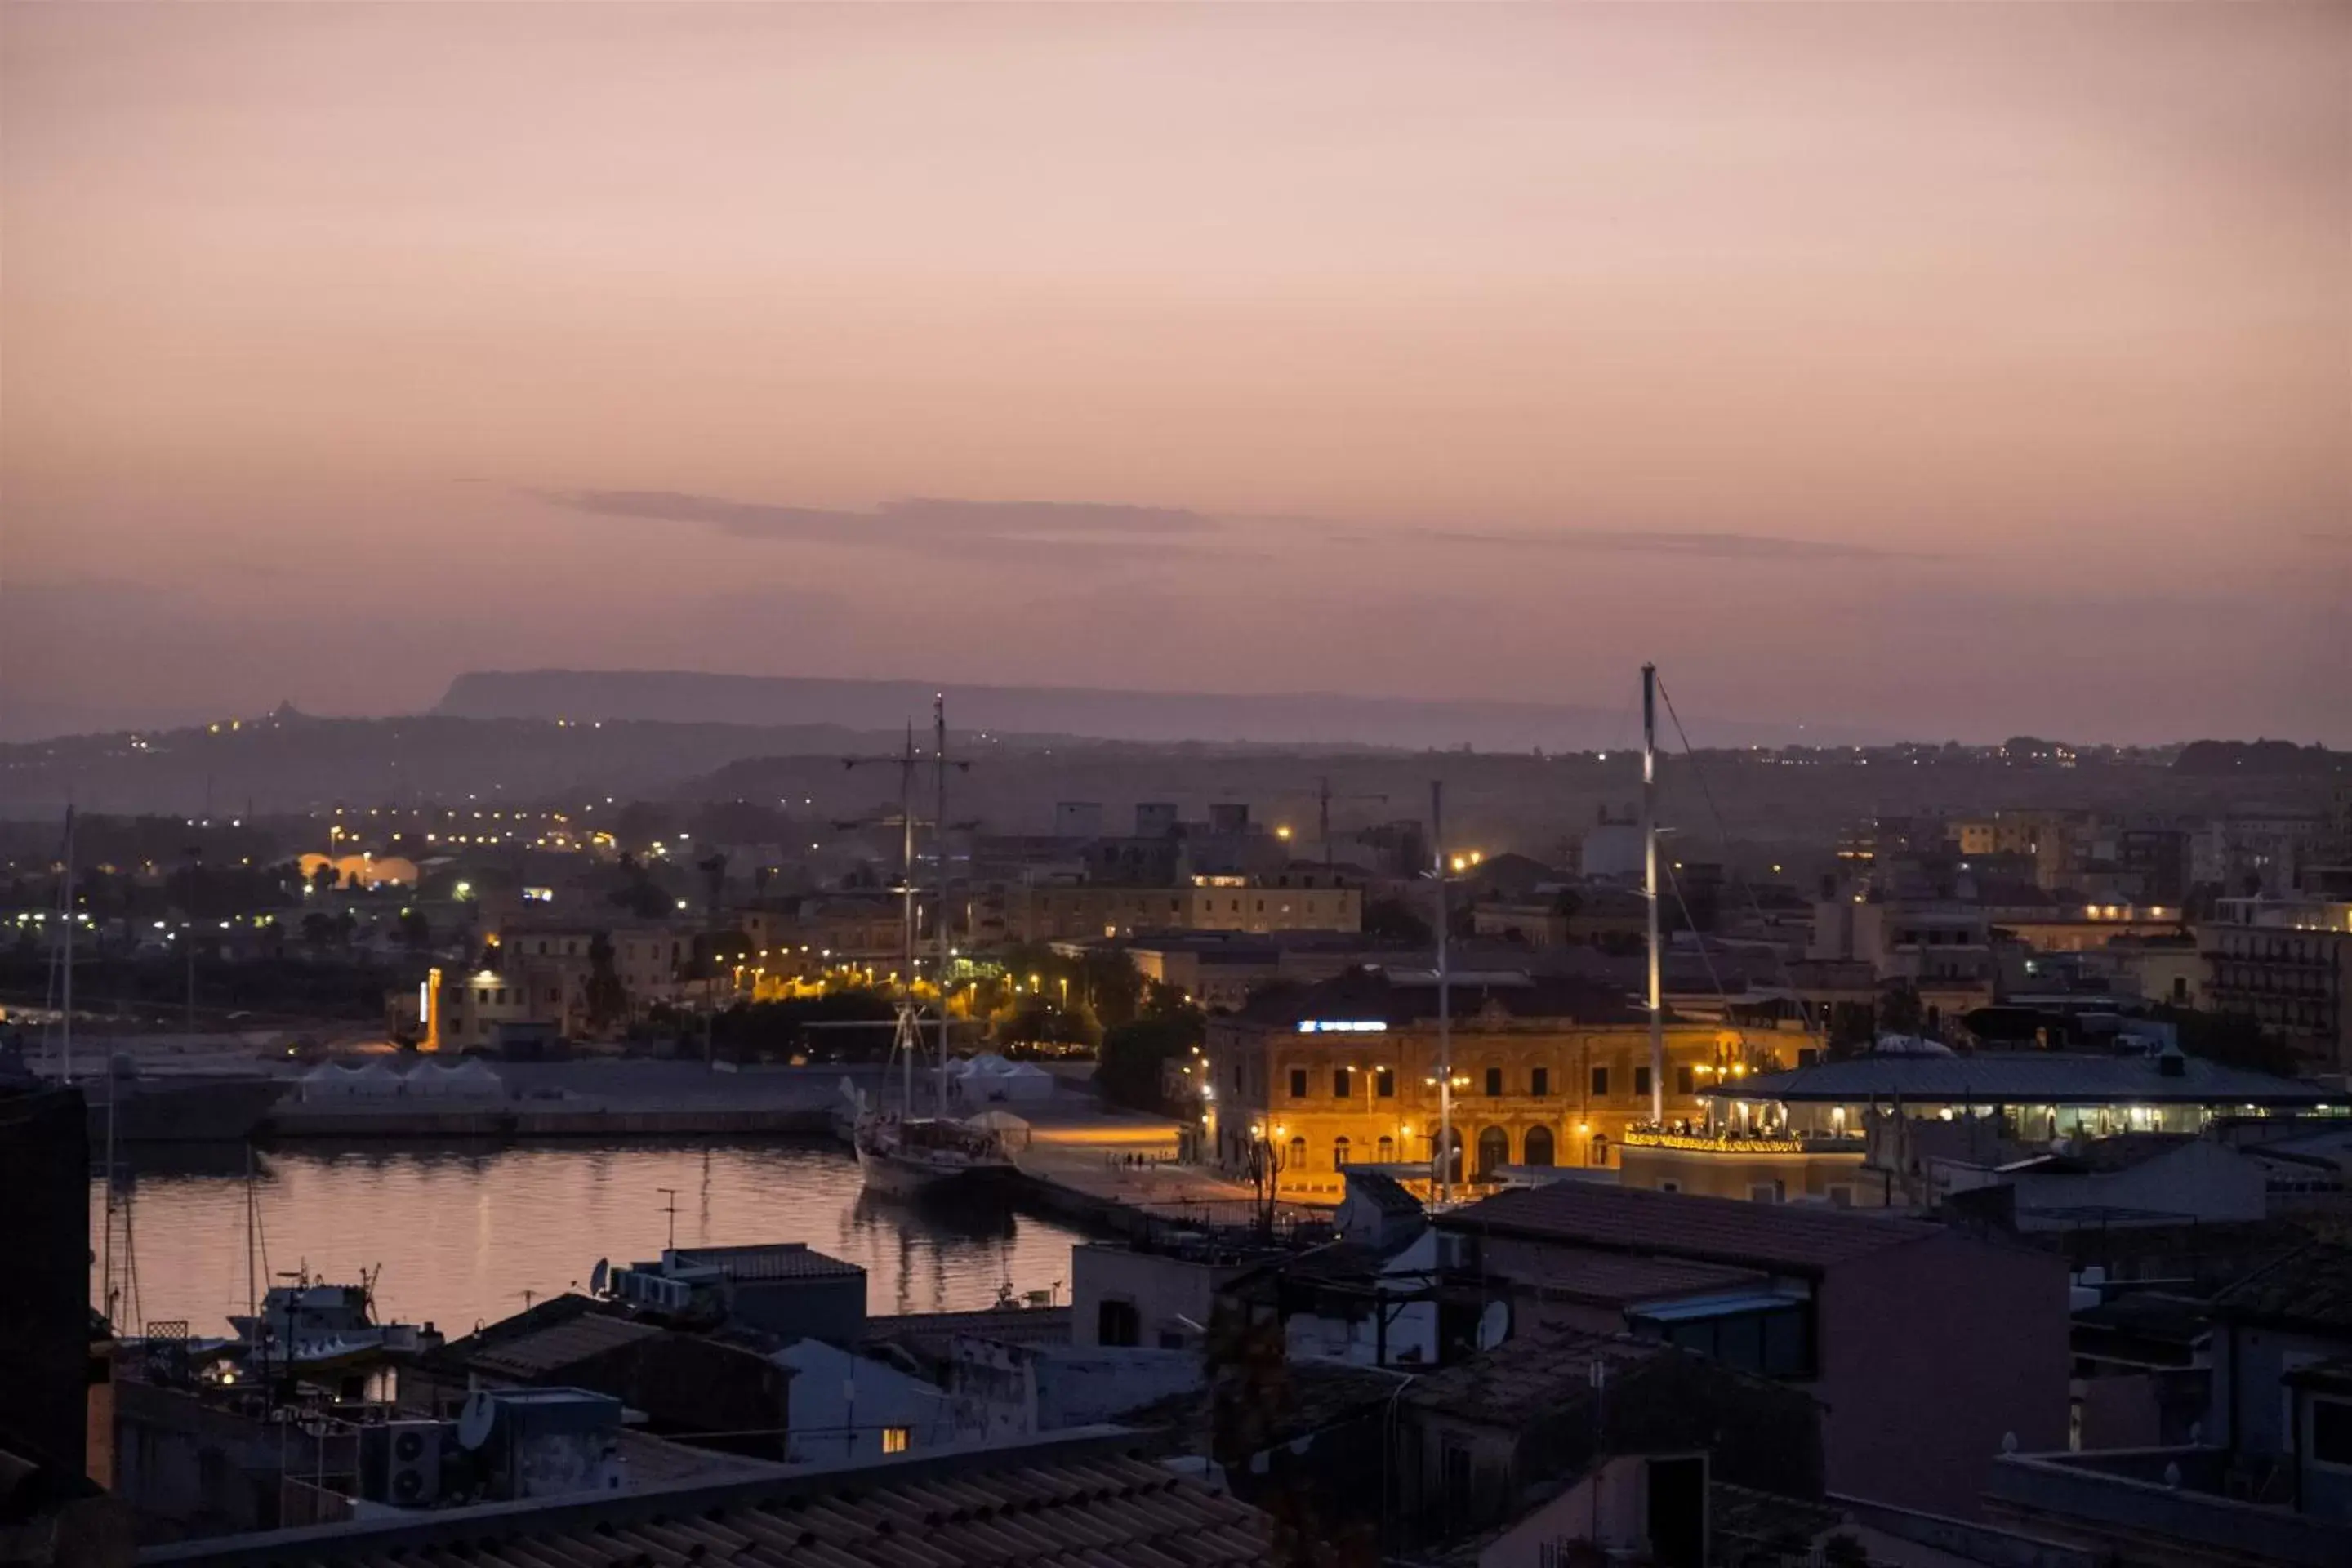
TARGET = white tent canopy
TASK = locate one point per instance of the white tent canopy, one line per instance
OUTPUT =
(328, 1080)
(989, 1077)
(462, 1079)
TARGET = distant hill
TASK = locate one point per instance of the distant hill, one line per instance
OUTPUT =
(2215, 759)
(292, 762)
(1321, 719)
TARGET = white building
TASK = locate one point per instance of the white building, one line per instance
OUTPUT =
(849, 1407)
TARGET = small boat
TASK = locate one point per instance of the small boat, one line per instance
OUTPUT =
(315, 1326)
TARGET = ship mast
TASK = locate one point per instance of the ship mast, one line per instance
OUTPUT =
(908, 1037)
(1650, 889)
(66, 899)
(1445, 1004)
(940, 847)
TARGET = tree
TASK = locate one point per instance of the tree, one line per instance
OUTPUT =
(318, 928)
(641, 896)
(415, 931)
(1128, 1069)
(1393, 920)
(1111, 986)
(608, 1000)
(1899, 1009)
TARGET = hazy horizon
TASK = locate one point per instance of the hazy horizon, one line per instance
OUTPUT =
(1936, 372)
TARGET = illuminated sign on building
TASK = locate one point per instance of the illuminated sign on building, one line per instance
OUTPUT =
(1342, 1026)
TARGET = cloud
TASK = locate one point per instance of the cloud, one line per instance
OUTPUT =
(920, 524)
(1691, 546)
(1064, 528)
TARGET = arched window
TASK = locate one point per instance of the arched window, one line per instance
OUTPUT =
(1338, 1154)
(1494, 1150)
(1600, 1148)
(1387, 1149)
(1298, 1153)
(1539, 1147)
(1118, 1323)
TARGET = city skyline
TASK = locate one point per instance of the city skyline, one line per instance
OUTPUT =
(1944, 372)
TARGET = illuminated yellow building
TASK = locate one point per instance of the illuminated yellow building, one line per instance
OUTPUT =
(1546, 1072)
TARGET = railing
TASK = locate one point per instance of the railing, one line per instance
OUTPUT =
(1741, 1144)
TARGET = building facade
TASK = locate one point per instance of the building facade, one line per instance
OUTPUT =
(1546, 1073)
(1305, 901)
(2289, 979)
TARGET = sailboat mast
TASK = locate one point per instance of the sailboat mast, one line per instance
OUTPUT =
(906, 1031)
(1650, 888)
(66, 980)
(940, 847)
(1444, 1004)
(252, 1268)
(106, 1255)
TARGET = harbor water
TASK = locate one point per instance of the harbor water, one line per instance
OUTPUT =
(465, 1237)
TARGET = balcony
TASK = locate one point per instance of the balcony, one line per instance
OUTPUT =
(1739, 1144)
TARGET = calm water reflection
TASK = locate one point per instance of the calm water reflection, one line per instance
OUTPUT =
(462, 1235)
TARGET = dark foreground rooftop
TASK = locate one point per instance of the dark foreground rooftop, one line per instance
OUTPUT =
(1075, 1502)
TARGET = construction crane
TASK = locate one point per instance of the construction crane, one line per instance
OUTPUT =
(1323, 799)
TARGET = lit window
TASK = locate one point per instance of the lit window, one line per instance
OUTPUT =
(894, 1440)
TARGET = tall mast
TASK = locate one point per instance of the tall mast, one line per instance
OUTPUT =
(940, 847)
(908, 1037)
(1445, 1004)
(1650, 888)
(65, 983)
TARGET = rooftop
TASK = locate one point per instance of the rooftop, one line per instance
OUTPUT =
(1406, 997)
(2024, 1078)
(770, 1261)
(542, 1350)
(1384, 1192)
(1076, 1501)
(1680, 1226)
(2105, 1156)
(1311, 1396)
(2310, 1288)
(1541, 1375)
(1025, 1325)
(1615, 1280)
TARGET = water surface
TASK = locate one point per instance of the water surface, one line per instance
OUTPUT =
(463, 1236)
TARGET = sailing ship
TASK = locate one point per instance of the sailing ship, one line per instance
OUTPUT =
(900, 1152)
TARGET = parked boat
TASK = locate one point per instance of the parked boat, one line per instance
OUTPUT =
(900, 1152)
(901, 1156)
(312, 1326)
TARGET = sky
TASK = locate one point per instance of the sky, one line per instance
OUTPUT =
(1951, 371)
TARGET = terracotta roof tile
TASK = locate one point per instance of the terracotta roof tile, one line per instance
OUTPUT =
(559, 1345)
(980, 1509)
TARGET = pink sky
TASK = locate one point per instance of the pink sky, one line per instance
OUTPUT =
(1952, 370)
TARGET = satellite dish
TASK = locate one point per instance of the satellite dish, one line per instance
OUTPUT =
(1494, 1325)
(474, 1423)
(597, 1276)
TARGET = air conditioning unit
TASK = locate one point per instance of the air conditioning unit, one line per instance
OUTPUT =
(405, 1462)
